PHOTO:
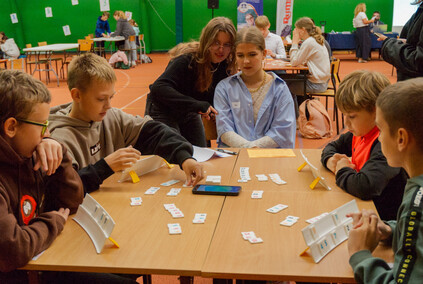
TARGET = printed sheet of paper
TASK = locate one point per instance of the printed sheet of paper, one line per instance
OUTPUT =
(104, 5)
(270, 153)
(14, 18)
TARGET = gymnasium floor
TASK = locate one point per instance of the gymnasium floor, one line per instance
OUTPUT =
(132, 89)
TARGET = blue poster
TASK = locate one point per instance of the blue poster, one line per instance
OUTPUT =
(248, 10)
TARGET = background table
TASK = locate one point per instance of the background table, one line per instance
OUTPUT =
(339, 41)
(48, 51)
(108, 39)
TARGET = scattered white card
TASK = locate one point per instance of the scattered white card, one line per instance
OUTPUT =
(277, 208)
(257, 194)
(173, 192)
(66, 30)
(174, 228)
(135, 201)
(199, 218)
(170, 182)
(152, 190)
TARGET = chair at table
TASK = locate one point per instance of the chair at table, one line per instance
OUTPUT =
(331, 91)
(33, 58)
(141, 47)
(49, 56)
(128, 51)
(17, 64)
(85, 46)
(210, 130)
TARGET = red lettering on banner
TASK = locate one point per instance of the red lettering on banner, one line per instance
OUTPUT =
(288, 14)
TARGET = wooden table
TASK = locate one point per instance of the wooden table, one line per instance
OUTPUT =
(277, 258)
(141, 231)
(216, 248)
(278, 64)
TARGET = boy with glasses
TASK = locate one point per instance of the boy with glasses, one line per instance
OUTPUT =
(38, 186)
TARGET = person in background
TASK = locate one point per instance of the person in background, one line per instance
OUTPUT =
(363, 40)
(400, 120)
(312, 53)
(8, 47)
(124, 28)
(376, 17)
(406, 53)
(136, 29)
(255, 108)
(102, 29)
(184, 92)
(274, 45)
(367, 175)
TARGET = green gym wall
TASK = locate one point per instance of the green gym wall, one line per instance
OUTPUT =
(157, 18)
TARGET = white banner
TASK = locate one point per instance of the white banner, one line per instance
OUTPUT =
(284, 17)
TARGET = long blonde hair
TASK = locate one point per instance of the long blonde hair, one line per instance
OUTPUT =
(201, 53)
(311, 29)
(361, 7)
(120, 14)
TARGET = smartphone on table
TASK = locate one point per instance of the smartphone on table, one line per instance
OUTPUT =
(216, 189)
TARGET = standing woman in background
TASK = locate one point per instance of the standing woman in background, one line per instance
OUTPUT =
(406, 53)
(184, 92)
(364, 42)
(124, 28)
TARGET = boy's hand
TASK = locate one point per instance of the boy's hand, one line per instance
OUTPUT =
(384, 230)
(62, 212)
(342, 163)
(332, 161)
(366, 236)
(122, 158)
(193, 170)
(48, 155)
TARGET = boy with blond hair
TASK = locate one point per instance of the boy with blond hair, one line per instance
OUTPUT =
(400, 120)
(103, 140)
(367, 175)
(274, 44)
(38, 186)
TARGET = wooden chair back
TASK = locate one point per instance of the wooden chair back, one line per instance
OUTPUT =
(42, 43)
(85, 45)
(210, 129)
(131, 38)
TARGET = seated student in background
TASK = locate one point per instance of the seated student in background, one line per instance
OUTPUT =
(255, 108)
(400, 120)
(312, 53)
(367, 175)
(274, 44)
(38, 186)
(184, 92)
(8, 47)
(103, 140)
(124, 28)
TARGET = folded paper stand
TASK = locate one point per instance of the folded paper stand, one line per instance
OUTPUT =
(95, 220)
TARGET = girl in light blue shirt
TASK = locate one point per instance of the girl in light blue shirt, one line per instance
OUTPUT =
(255, 108)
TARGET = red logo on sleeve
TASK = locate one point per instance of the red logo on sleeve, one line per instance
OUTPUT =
(28, 206)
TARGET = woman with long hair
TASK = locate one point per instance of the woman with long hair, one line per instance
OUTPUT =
(184, 92)
(364, 42)
(312, 53)
(124, 28)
